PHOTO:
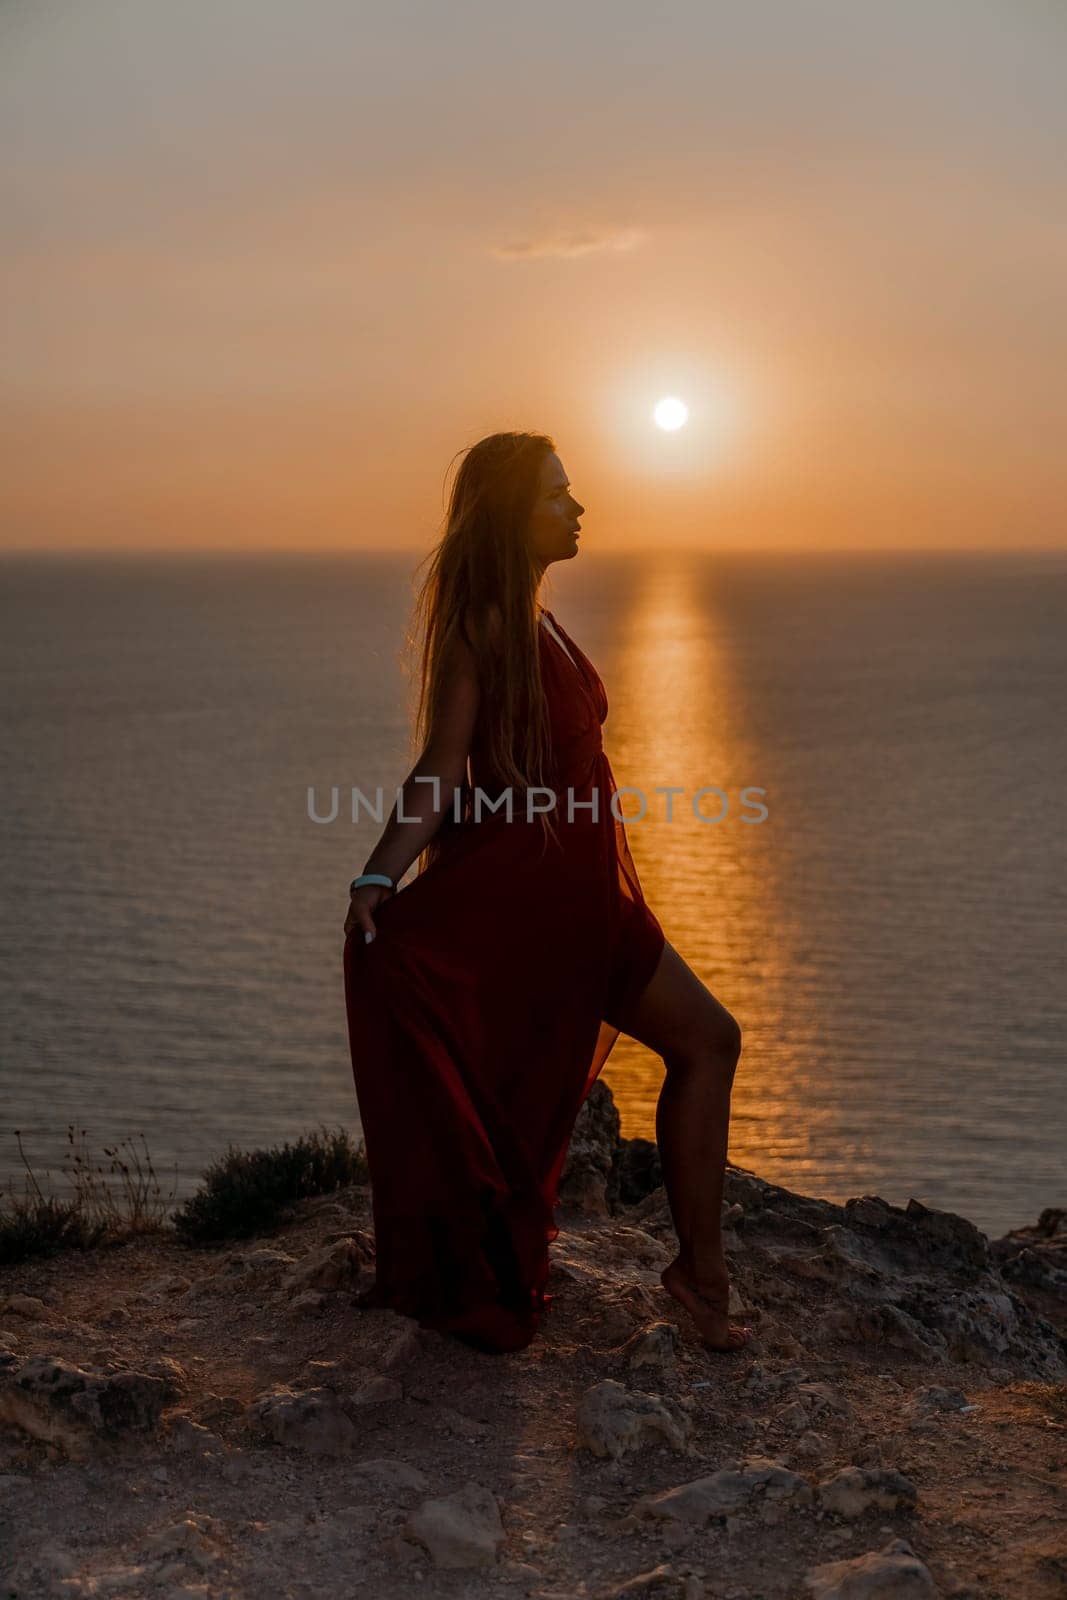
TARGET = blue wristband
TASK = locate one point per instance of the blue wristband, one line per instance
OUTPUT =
(372, 877)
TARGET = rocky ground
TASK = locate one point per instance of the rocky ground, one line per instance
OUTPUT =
(184, 1422)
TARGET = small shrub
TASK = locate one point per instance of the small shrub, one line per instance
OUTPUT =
(41, 1225)
(252, 1191)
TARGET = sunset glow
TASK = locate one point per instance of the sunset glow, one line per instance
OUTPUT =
(671, 413)
(812, 291)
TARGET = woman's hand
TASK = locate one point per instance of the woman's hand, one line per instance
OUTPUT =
(364, 900)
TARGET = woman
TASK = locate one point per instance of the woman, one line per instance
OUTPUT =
(484, 997)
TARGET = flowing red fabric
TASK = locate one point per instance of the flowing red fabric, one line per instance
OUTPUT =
(479, 1018)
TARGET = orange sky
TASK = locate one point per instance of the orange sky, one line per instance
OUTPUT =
(270, 267)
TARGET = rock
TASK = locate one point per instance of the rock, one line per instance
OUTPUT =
(185, 1434)
(338, 1266)
(726, 1492)
(217, 1407)
(313, 1420)
(461, 1529)
(976, 1323)
(570, 1272)
(612, 1327)
(776, 1339)
(61, 1404)
(735, 1305)
(636, 1172)
(813, 1400)
(246, 1268)
(762, 1380)
(821, 1400)
(121, 1580)
(591, 1153)
(29, 1307)
(311, 1303)
(934, 1398)
(521, 1572)
(167, 1368)
(406, 1346)
(893, 1573)
(854, 1490)
(885, 1324)
(794, 1416)
(955, 1240)
(811, 1446)
(362, 1238)
(923, 1281)
(656, 1346)
(1037, 1256)
(940, 1236)
(656, 1581)
(869, 1211)
(613, 1420)
(189, 1539)
(635, 1245)
(165, 1287)
(841, 1258)
(778, 1211)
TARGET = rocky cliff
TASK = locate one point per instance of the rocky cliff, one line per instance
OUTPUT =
(227, 1422)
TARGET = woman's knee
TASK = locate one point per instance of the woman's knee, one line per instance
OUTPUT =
(729, 1038)
(714, 1048)
(679, 1018)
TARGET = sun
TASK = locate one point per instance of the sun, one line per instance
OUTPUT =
(671, 413)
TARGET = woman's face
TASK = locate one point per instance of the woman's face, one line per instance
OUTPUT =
(553, 529)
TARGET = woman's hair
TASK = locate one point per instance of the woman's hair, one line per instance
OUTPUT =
(481, 587)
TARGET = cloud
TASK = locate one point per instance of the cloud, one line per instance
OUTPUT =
(569, 244)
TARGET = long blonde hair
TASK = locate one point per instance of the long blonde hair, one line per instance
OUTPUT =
(482, 560)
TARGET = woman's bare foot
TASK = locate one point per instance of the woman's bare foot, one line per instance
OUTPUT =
(707, 1305)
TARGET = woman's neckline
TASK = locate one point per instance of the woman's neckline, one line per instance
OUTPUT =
(558, 641)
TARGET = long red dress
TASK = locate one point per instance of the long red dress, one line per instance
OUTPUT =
(479, 1018)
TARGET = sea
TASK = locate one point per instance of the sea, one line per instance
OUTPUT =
(865, 762)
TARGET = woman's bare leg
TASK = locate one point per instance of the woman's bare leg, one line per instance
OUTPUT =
(680, 1019)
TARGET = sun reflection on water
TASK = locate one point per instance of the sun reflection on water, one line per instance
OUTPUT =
(677, 717)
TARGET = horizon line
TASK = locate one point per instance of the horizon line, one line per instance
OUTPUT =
(96, 551)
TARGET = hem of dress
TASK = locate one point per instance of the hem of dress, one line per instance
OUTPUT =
(497, 1325)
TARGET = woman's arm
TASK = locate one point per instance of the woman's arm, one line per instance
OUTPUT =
(444, 756)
